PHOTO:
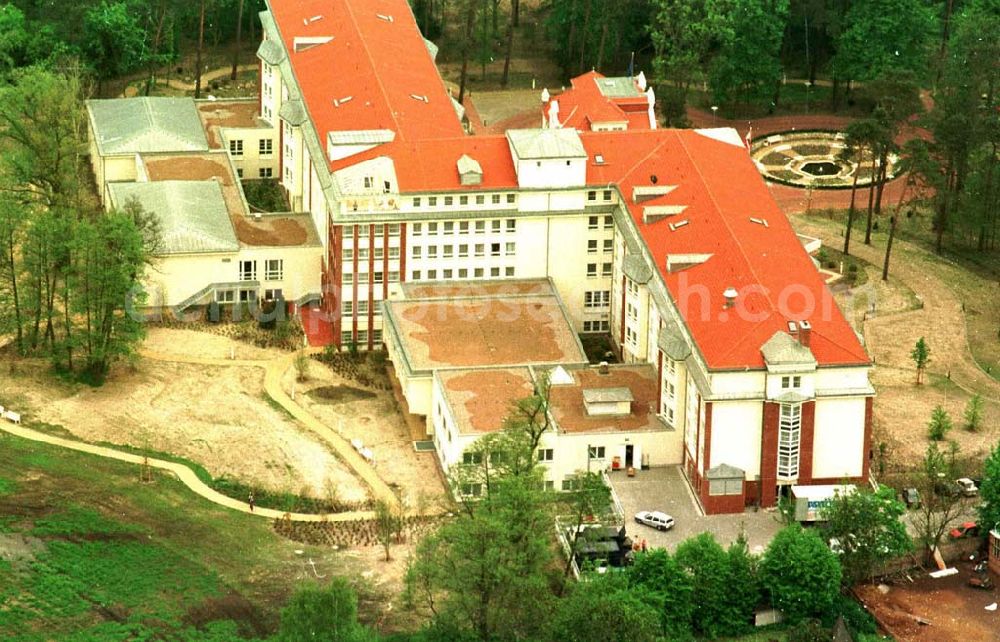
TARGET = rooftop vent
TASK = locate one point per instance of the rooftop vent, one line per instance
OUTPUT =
(384, 17)
(678, 225)
(603, 368)
(420, 97)
(309, 21)
(337, 102)
(305, 43)
(759, 221)
(730, 294)
(793, 328)
(654, 179)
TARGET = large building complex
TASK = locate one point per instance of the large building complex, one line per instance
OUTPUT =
(737, 364)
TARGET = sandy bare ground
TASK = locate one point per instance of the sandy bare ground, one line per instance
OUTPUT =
(902, 409)
(192, 343)
(375, 419)
(218, 417)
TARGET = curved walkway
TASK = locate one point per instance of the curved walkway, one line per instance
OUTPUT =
(185, 475)
(941, 319)
(274, 370)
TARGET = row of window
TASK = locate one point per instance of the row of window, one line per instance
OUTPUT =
(605, 195)
(594, 222)
(378, 277)
(363, 230)
(448, 251)
(463, 227)
(597, 299)
(606, 269)
(606, 246)
(265, 147)
(346, 337)
(450, 201)
(274, 270)
(364, 252)
(362, 308)
(461, 273)
(596, 326)
(263, 172)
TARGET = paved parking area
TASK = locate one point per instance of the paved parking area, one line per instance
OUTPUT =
(665, 489)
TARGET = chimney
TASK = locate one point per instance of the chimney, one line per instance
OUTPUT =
(793, 329)
(730, 295)
(603, 368)
(805, 330)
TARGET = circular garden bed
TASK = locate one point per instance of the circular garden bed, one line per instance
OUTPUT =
(813, 159)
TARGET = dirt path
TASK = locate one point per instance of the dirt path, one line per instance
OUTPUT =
(209, 76)
(185, 475)
(941, 320)
(274, 370)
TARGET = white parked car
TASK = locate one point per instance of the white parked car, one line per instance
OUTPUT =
(967, 487)
(656, 519)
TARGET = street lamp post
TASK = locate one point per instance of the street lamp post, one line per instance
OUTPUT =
(715, 109)
(808, 86)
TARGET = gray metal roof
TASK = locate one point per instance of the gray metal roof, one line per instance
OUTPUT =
(193, 215)
(672, 342)
(293, 112)
(146, 125)
(271, 52)
(783, 349)
(791, 397)
(618, 87)
(635, 267)
(607, 395)
(531, 144)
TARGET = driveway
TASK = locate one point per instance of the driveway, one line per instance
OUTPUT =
(665, 489)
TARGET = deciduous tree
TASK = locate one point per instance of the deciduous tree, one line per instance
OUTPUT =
(868, 529)
(800, 573)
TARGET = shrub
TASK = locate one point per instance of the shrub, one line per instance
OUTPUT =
(800, 573)
(939, 424)
(302, 365)
(974, 412)
(668, 588)
(808, 631)
(329, 613)
(856, 617)
(717, 609)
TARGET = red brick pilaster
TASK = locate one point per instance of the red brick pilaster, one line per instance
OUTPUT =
(334, 283)
(769, 454)
(806, 439)
(706, 460)
(371, 283)
(402, 252)
(354, 287)
(385, 262)
(867, 452)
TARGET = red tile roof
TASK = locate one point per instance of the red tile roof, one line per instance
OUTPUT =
(380, 63)
(768, 266)
(377, 58)
(584, 104)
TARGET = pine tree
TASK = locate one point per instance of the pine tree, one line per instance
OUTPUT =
(921, 355)
(939, 425)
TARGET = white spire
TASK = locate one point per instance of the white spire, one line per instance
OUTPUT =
(641, 80)
(651, 99)
(545, 95)
(554, 115)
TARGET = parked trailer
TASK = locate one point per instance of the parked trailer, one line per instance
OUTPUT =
(809, 501)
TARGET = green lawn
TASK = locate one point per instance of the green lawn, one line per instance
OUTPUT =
(93, 554)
